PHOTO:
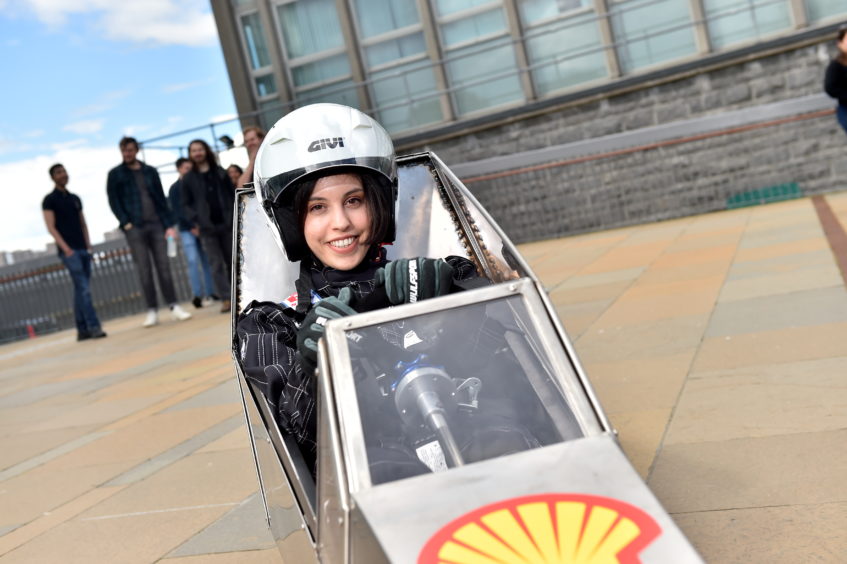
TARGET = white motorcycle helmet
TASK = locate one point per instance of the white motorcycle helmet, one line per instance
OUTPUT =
(314, 141)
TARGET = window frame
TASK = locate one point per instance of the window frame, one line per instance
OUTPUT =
(289, 64)
(267, 70)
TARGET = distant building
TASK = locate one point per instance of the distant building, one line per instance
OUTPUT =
(25, 255)
(418, 65)
(479, 79)
(114, 235)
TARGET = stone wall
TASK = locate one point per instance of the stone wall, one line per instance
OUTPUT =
(660, 183)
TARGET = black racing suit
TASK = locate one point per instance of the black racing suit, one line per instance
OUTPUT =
(267, 340)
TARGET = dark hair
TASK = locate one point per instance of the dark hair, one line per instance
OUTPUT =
(842, 31)
(376, 199)
(236, 167)
(55, 167)
(181, 161)
(126, 141)
(211, 160)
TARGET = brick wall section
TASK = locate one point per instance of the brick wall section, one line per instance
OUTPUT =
(668, 182)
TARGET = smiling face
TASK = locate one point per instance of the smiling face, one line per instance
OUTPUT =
(337, 223)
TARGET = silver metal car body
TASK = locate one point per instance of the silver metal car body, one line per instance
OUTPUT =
(342, 516)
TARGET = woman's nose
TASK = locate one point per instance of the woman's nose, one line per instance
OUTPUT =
(340, 220)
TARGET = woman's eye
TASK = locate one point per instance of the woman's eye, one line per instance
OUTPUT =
(354, 201)
(316, 208)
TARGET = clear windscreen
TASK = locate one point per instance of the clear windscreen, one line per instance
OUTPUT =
(455, 387)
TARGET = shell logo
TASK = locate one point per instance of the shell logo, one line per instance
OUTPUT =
(545, 529)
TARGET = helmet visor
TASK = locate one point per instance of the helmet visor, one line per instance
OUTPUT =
(279, 189)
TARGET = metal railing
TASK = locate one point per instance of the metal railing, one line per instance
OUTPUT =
(36, 296)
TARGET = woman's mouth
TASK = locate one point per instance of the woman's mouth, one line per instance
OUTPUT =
(342, 243)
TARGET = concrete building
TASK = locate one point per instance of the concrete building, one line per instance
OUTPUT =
(477, 80)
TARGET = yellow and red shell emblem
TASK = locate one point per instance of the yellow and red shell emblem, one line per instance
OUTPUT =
(545, 529)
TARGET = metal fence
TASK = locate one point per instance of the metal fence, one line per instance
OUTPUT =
(36, 296)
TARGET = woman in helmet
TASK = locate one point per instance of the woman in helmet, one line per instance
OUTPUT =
(326, 178)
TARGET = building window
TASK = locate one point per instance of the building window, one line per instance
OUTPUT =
(265, 85)
(730, 21)
(315, 52)
(651, 33)
(254, 41)
(821, 9)
(479, 57)
(401, 77)
(563, 43)
(259, 61)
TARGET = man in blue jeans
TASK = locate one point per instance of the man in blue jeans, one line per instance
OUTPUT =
(194, 255)
(66, 223)
(138, 201)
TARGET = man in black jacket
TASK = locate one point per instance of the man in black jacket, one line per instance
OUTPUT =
(208, 197)
(138, 201)
(835, 83)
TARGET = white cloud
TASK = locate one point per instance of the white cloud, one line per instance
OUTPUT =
(135, 130)
(104, 102)
(224, 117)
(165, 22)
(84, 127)
(22, 224)
(179, 87)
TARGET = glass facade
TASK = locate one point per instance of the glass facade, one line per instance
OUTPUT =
(479, 55)
(732, 22)
(650, 33)
(822, 9)
(254, 41)
(563, 43)
(315, 52)
(402, 83)
(258, 58)
(418, 63)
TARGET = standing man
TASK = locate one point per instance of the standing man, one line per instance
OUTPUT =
(207, 201)
(66, 223)
(138, 201)
(194, 255)
(253, 137)
(835, 81)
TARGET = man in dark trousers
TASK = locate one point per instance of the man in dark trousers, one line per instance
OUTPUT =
(195, 256)
(138, 201)
(207, 200)
(66, 223)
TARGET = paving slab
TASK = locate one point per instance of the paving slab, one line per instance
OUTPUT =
(715, 343)
(790, 534)
(788, 469)
(130, 539)
(761, 401)
(241, 529)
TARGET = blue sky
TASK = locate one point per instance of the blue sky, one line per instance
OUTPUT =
(78, 75)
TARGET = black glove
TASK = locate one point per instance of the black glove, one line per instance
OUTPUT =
(409, 280)
(313, 328)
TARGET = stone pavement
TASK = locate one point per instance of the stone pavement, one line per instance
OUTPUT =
(716, 344)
